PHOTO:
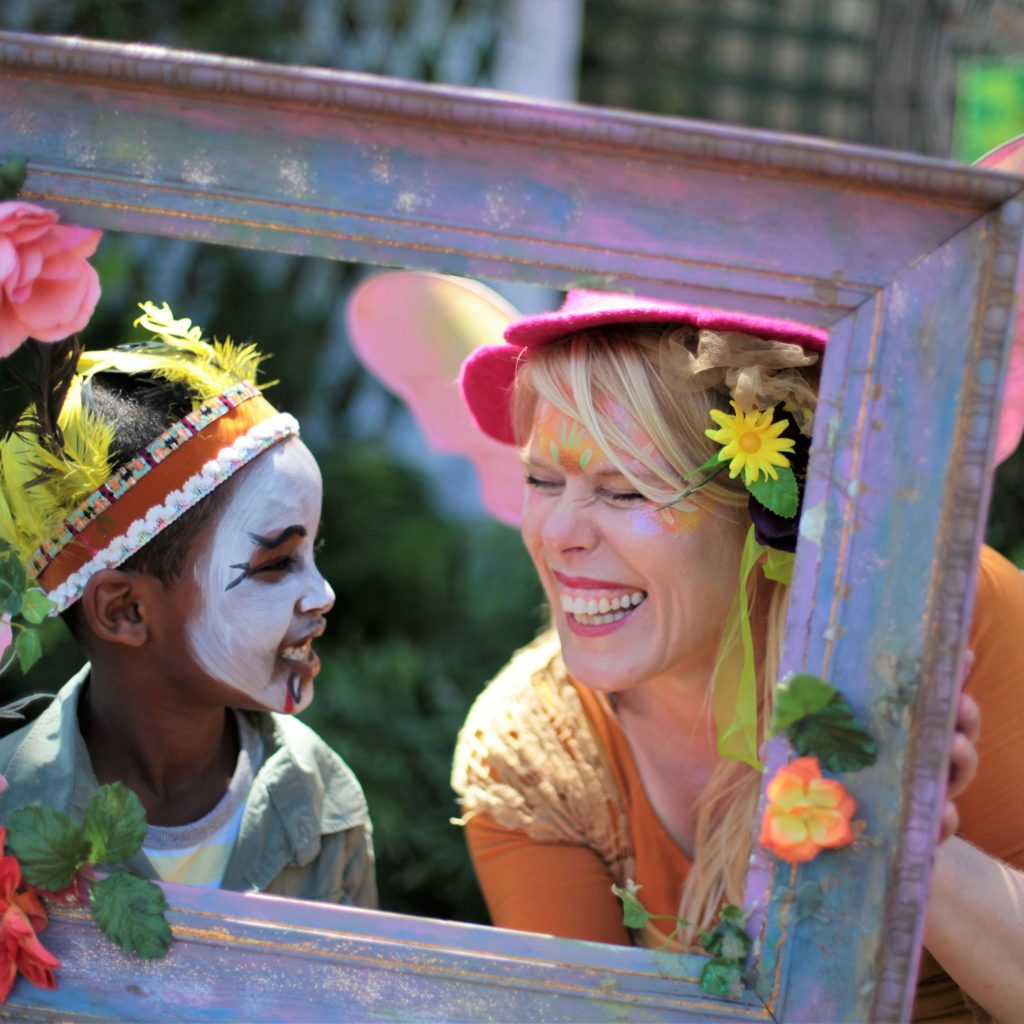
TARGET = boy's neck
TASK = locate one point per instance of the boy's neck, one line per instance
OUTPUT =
(178, 759)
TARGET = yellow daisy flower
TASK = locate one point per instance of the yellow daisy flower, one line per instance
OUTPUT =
(752, 442)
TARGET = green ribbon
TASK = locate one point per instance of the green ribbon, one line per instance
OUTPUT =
(734, 684)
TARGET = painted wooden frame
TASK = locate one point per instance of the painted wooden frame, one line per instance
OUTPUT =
(911, 264)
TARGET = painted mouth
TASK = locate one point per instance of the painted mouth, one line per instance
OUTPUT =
(598, 609)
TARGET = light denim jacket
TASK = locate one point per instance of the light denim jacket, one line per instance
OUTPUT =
(305, 833)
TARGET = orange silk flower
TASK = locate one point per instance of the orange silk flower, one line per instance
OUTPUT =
(805, 813)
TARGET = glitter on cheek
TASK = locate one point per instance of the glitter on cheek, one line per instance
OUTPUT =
(652, 522)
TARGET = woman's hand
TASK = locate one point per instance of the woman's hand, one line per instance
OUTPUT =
(963, 756)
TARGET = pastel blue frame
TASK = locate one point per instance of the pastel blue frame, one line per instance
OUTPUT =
(909, 262)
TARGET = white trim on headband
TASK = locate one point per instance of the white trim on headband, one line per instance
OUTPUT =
(228, 461)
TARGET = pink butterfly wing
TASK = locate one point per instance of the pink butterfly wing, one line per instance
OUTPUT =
(1009, 158)
(412, 330)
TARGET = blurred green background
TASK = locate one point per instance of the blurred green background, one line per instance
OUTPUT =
(432, 595)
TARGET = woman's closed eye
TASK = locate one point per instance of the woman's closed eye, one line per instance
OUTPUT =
(540, 483)
(618, 497)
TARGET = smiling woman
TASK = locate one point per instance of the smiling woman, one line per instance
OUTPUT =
(625, 755)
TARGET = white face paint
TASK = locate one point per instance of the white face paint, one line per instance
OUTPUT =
(263, 599)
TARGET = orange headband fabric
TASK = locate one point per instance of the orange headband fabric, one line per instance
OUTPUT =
(187, 462)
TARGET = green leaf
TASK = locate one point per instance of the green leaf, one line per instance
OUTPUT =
(28, 648)
(115, 824)
(712, 463)
(130, 911)
(730, 912)
(36, 606)
(835, 737)
(10, 599)
(727, 940)
(799, 694)
(778, 496)
(12, 573)
(722, 978)
(12, 176)
(634, 914)
(48, 844)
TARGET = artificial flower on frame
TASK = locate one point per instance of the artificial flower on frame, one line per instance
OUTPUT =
(22, 917)
(48, 290)
(751, 443)
(805, 813)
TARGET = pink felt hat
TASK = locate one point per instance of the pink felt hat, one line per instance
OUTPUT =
(488, 374)
(1009, 157)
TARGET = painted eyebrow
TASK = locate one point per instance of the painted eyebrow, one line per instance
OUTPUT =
(279, 538)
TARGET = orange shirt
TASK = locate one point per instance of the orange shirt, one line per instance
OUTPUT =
(563, 889)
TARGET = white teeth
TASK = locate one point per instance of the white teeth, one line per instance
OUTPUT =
(297, 652)
(596, 611)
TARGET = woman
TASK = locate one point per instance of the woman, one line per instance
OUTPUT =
(596, 756)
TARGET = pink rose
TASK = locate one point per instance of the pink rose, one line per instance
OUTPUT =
(47, 289)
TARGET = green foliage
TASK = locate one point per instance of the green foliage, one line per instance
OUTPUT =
(115, 824)
(819, 722)
(723, 977)
(12, 176)
(130, 911)
(35, 606)
(49, 846)
(779, 496)
(28, 648)
(634, 913)
(55, 852)
(727, 943)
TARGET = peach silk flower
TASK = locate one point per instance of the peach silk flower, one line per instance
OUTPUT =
(22, 915)
(805, 813)
(47, 289)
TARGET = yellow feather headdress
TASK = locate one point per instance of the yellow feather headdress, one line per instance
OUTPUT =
(56, 472)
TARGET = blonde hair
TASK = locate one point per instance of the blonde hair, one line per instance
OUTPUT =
(668, 379)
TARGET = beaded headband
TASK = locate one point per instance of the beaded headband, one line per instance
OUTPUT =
(183, 465)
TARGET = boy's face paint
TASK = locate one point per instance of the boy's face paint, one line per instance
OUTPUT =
(262, 597)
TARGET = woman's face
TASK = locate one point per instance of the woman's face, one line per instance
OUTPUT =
(262, 597)
(637, 592)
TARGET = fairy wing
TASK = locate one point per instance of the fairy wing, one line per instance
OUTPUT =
(1009, 157)
(412, 330)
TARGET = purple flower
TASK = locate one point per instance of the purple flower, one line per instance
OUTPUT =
(771, 529)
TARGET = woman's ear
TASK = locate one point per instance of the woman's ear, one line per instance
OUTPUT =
(115, 607)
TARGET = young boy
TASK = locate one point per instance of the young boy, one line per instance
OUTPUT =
(171, 517)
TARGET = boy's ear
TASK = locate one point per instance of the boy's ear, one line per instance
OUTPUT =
(115, 607)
